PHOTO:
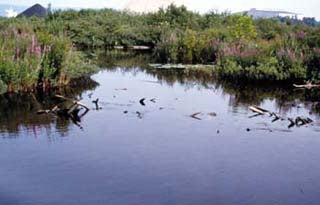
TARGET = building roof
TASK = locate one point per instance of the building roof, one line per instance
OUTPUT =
(35, 10)
(263, 13)
(272, 11)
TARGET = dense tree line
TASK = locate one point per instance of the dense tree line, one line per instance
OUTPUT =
(309, 21)
(240, 47)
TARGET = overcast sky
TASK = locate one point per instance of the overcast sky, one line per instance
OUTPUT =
(306, 7)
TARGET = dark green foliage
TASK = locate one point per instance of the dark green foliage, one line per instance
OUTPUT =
(240, 47)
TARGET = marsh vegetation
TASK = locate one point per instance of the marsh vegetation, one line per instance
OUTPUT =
(43, 52)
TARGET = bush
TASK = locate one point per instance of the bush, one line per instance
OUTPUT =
(31, 56)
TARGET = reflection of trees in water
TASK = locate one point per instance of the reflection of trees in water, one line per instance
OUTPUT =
(241, 95)
(188, 78)
(112, 60)
(19, 110)
(135, 62)
(286, 98)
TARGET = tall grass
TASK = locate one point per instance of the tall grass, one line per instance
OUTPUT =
(33, 57)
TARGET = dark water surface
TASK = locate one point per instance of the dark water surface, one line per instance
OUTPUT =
(158, 154)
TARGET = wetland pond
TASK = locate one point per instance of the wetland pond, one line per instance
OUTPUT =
(191, 141)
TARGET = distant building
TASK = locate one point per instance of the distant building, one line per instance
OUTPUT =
(256, 13)
(146, 6)
(35, 10)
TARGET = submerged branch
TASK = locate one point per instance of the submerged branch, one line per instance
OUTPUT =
(72, 112)
(73, 101)
(299, 121)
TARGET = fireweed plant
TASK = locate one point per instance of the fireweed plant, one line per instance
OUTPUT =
(32, 56)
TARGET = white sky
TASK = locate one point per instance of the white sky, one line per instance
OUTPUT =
(307, 7)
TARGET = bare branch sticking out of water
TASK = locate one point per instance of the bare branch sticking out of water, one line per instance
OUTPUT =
(96, 104)
(292, 123)
(195, 116)
(141, 101)
(308, 85)
(259, 110)
(72, 112)
(297, 122)
(73, 101)
(139, 115)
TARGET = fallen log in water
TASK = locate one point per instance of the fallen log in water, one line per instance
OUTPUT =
(299, 121)
(259, 110)
(73, 101)
(308, 85)
(181, 66)
(53, 110)
(72, 112)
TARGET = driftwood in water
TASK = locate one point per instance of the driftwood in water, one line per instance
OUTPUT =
(73, 101)
(256, 110)
(195, 116)
(96, 103)
(276, 117)
(53, 110)
(308, 85)
(181, 66)
(72, 112)
(299, 121)
(139, 114)
(141, 101)
(259, 110)
(292, 123)
(212, 114)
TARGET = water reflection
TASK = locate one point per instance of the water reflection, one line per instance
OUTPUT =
(285, 96)
(18, 111)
